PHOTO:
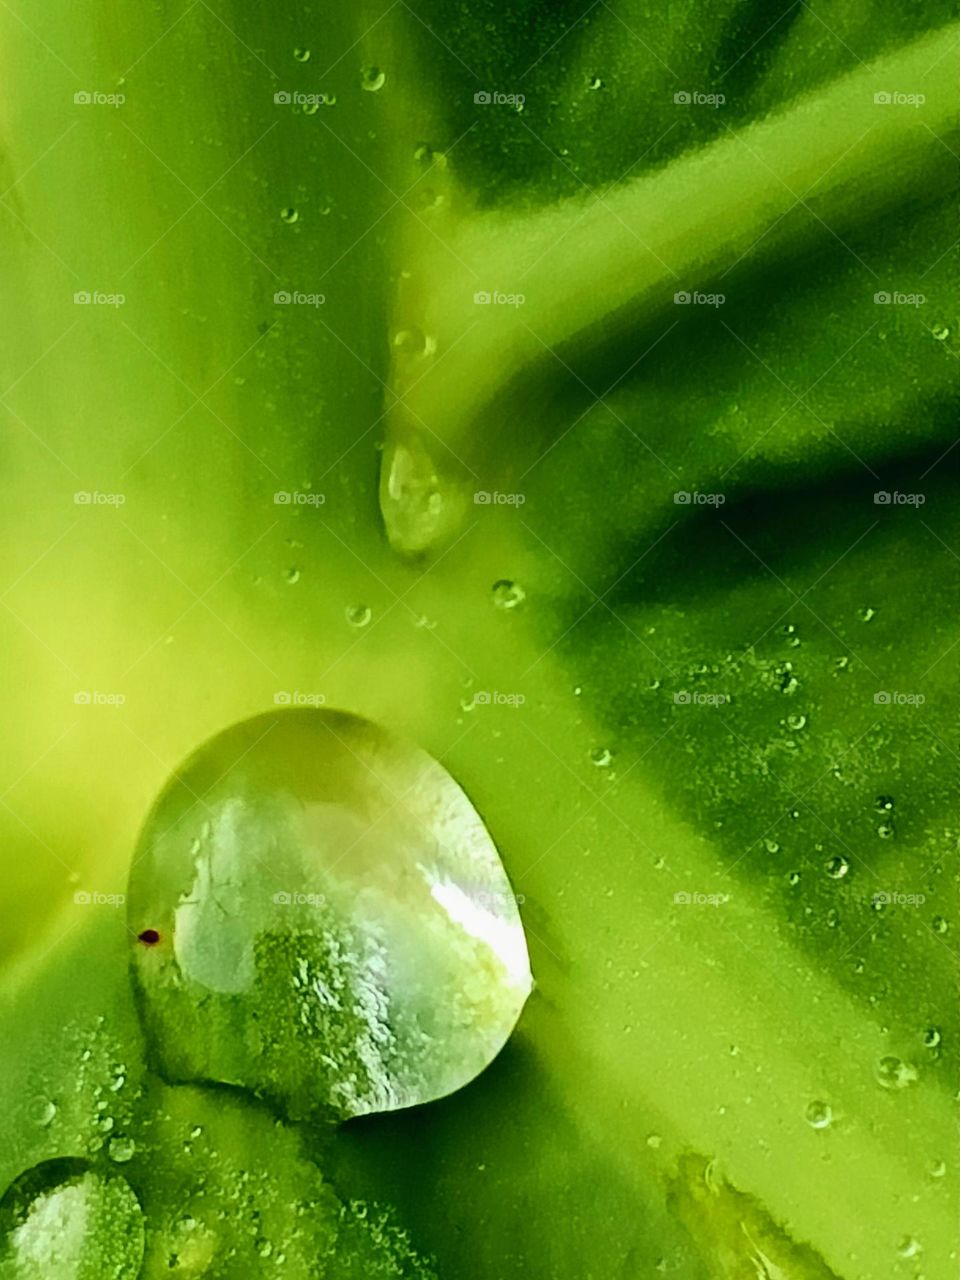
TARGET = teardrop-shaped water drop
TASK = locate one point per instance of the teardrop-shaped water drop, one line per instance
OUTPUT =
(346, 939)
(62, 1220)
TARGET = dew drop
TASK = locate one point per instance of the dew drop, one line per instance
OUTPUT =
(940, 332)
(62, 1220)
(358, 615)
(866, 613)
(771, 846)
(595, 83)
(885, 831)
(289, 215)
(794, 877)
(819, 1115)
(330, 949)
(43, 1112)
(414, 342)
(908, 1247)
(302, 55)
(937, 1168)
(602, 757)
(894, 1073)
(796, 721)
(292, 576)
(372, 79)
(883, 804)
(507, 594)
(939, 924)
(121, 1150)
(837, 867)
(932, 1037)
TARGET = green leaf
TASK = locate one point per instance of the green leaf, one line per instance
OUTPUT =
(753, 1082)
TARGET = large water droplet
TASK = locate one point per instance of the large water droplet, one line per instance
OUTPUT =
(63, 1221)
(344, 941)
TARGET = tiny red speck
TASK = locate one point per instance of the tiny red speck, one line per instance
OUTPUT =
(149, 937)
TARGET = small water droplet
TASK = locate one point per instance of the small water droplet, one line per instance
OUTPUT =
(43, 1111)
(796, 721)
(866, 613)
(937, 1168)
(289, 215)
(885, 831)
(940, 332)
(358, 615)
(932, 1037)
(837, 867)
(595, 83)
(121, 1150)
(414, 342)
(302, 55)
(372, 79)
(908, 1247)
(894, 1073)
(884, 804)
(819, 1115)
(602, 757)
(507, 594)
(771, 846)
(292, 576)
(794, 877)
(940, 924)
(833, 918)
(310, 108)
